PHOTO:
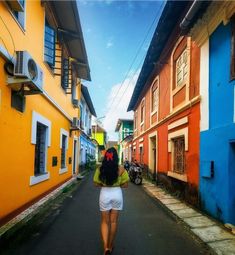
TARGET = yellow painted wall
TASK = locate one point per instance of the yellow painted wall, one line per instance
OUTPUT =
(16, 150)
(99, 137)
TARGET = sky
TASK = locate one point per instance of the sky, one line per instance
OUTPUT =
(117, 35)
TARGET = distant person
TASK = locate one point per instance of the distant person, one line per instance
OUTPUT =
(111, 179)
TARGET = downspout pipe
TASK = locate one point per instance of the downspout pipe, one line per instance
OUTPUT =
(190, 14)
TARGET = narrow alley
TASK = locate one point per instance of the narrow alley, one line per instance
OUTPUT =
(145, 228)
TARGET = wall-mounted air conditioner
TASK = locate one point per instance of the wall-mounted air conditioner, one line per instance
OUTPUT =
(75, 103)
(76, 122)
(27, 73)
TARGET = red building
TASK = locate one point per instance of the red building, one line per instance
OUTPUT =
(166, 105)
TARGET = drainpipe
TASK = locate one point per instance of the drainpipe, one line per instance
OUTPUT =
(190, 14)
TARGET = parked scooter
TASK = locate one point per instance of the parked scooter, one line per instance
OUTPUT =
(126, 165)
(135, 173)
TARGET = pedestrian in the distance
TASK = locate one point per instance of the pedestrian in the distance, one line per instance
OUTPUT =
(111, 179)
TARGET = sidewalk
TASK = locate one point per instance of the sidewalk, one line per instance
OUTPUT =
(210, 232)
(13, 225)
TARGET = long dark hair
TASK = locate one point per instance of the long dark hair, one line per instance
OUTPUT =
(109, 168)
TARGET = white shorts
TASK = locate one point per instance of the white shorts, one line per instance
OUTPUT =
(111, 198)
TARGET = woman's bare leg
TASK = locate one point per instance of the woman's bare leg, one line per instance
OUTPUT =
(113, 227)
(105, 222)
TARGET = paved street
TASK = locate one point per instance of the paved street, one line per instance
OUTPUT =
(145, 228)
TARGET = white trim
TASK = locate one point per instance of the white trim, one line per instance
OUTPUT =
(75, 138)
(178, 123)
(187, 82)
(153, 134)
(204, 86)
(63, 170)
(45, 94)
(141, 145)
(181, 177)
(40, 178)
(141, 139)
(186, 106)
(66, 133)
(134, 143)
(181, 132)
(144, 112)
(36, 117)
(134, 148)
(150, 159)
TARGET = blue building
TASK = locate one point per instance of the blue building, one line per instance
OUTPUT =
(215, 34)
(87, 146)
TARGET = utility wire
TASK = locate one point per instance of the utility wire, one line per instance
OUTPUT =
(11, 57)
(139, 49)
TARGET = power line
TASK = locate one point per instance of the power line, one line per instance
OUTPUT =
(135, 59)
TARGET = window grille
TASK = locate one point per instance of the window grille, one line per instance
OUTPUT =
(40, 150)
(181, 68)
(63, 151)
(142, 112)
(179, 155)
(49, 45)
(155, 98)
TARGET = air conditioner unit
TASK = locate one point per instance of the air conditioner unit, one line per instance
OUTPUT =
(75, 103)
(76, 122)
(28, 73)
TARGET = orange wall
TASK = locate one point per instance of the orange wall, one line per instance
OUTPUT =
(193, 113)
(16, 150)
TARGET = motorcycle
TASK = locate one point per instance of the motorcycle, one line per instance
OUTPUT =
(135, 173)
(127, 165)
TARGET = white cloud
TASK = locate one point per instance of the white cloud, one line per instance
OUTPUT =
(109, 44)
(117, 103)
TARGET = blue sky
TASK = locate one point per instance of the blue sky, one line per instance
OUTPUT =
(117, 35)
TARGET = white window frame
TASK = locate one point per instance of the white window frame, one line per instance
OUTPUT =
(36, 117)
(65, 133)
(185, 84)
(142, 102)
(182, 132)
(135, 120)
(23, 16)
(156, 80)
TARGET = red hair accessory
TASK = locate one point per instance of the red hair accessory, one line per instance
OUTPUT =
(109, 156)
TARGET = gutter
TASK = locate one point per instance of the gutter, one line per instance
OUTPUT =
(190, 14)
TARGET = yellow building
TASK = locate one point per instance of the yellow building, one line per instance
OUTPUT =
(99, 136)
(42, 59)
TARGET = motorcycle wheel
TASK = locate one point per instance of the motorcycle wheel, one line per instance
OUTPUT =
(138, 180)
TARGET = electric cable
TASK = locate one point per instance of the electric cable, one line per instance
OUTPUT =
(11, 57)
(139, 49)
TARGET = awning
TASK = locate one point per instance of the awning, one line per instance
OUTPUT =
(69, 26)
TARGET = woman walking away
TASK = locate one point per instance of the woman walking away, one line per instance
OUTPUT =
(111, 179)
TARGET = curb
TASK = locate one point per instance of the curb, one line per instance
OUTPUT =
(207, 230)
(16, 223)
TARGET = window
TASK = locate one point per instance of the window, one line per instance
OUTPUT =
(40, 150)
(135, 120)
(63, 152)
(18, 14)
(41, 138)
(64, 148)
(141, 154)
(179, 155)
(49, 45)
(154, 97)
(142, 112)
(181, 70)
